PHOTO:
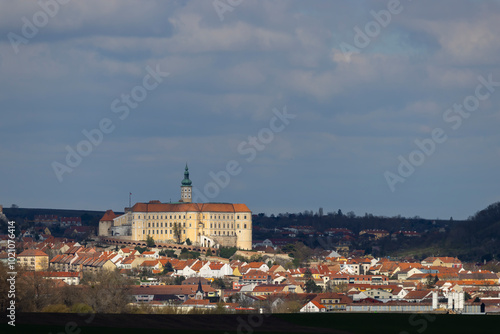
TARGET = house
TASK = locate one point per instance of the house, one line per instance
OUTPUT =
(312, 307)
(167, 293)
(375, 233)
(150, 265)
(258, 266)
(70, 278)
(150, 254)
(216, 270)
(402, 275)
(256, 276)
(333, 301)
(449, 262)
(271, 289)
(418, 296)
(125, 252)
(46, 219)
(379, 294)
(327, 302)
(276, 269)
(130, 262)
(183, 267)
(70, 221)
(34, 260)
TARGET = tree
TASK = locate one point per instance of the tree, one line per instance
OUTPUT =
(219, 283)
(178, 280)
(141, 249)
(227, 252)
(431, 281)
(150, 242)
(168, 268)
(177, 233)
(106, 291)
(33, 292)
(312, 287)
(188, 242)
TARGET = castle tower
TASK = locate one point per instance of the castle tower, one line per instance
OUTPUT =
(186, 187)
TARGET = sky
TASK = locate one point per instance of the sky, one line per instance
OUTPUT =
(383, 107)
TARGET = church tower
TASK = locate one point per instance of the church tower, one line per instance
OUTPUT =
(186, 187)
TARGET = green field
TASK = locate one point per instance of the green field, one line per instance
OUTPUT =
(252, 323)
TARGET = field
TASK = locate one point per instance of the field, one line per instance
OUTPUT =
(56, 323)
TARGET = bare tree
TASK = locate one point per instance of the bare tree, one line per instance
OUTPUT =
(106, 291)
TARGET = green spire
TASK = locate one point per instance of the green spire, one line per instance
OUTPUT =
(186, 181)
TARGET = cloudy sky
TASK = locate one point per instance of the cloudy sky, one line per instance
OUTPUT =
(282, 105)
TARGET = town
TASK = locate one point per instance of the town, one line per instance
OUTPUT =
(186, 258)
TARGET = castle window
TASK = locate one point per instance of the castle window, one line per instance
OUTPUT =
(245, 217)
(161, 225)
(238, 226)
(238, 217)
(184, 225)
(223, 225)
(184, 231)
(143, 232)
(149, 224)
(211, 225)
(219, 225)
(245, 226)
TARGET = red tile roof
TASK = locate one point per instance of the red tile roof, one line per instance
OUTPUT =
(186, 207)
(32, 252)
(108, 216)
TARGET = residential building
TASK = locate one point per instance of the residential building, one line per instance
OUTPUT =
(34, 260)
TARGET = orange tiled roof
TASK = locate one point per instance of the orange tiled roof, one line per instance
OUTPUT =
(193, 207)
(108, 216)
(32, 252)
(216, 266)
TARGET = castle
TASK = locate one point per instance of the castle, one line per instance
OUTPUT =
(204, 224)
